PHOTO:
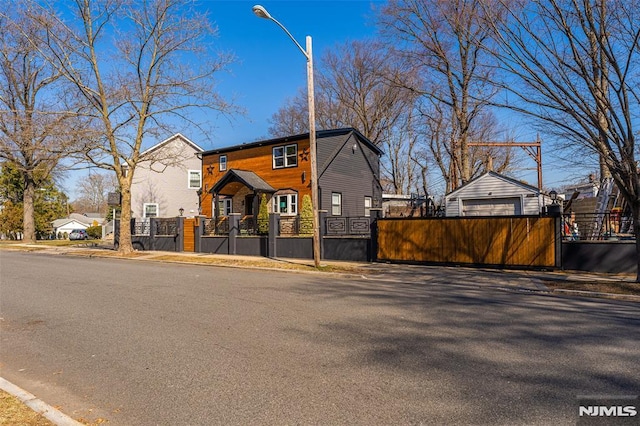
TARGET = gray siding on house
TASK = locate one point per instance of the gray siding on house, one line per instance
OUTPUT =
(165, 181)
(352, 173)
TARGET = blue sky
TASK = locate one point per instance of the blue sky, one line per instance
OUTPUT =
(269, 67)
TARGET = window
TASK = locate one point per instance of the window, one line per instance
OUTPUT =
(225, 206)
(286, 204)
(223, 163)
(195, 179)
(367, 206)
(285, 156)
(150, 210)
(336, 204)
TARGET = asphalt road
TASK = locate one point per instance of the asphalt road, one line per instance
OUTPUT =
(141, 343)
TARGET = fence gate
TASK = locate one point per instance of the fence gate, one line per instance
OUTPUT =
(503, 241)
(189, 234)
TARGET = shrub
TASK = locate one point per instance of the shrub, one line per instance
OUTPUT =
(306, 216)
(263, 216)
(94, 232)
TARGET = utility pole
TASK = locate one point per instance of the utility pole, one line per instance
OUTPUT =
(533, 149)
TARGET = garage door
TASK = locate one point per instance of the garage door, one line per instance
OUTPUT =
(492, 207)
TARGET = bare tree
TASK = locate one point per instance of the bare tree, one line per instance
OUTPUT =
(137, 65)
(574, 67)
(359, 86)
(93, 191)
(36, 119)
(293, 117)
(444, 41)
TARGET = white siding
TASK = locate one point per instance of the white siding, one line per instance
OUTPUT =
(166, 181)
(492, 187)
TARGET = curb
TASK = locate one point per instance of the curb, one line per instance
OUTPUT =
(28, 399)
(611, 296)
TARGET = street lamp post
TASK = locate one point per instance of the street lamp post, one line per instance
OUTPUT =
(261, 12)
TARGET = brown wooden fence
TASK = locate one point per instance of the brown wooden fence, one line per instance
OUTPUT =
(190, 234)
(504, 241)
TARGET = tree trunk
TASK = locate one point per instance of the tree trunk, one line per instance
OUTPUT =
(636, 227)
(125, 246)
(28, 219)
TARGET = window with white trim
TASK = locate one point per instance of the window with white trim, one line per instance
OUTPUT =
(285, 156)
(336, 204)
(150, 210)
(286, 204)
(195, 179)
(367, 206)
(225, 206)
(223, 163)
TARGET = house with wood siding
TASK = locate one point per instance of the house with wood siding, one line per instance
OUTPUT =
(235, 177)
(493, 194)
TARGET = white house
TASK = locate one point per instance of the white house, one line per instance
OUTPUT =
(62, 227)
(167, 179)
(493, 194)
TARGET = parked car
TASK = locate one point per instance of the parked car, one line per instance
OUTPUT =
(78, 234)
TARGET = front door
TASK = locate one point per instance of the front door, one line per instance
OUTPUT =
(248, 204)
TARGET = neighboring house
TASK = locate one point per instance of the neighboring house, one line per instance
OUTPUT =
(493, 194)
(402, 205)
(582, 190)
(167, 179)
(62, 227)
(348, 175)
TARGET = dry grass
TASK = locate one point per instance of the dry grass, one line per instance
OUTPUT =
(44, 244)
(14, 412)
(604, 287)
(275, 264)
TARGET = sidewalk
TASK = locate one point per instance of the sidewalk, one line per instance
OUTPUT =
(541, 281)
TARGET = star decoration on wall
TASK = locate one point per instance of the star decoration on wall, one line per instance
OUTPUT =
(304, 155)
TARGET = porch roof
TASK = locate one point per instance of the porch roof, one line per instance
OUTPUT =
(246, 178)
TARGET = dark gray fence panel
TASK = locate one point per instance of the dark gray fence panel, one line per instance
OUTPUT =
(349, 249)
(614, 257)
(215, 245)
(252, 246)
(295, 247)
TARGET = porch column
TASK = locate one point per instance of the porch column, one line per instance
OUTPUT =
(216, 208)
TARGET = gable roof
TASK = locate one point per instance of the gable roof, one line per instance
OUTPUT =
(59, 223)
(319, 135)
(168, 141)
(245, 177)
(498, 176)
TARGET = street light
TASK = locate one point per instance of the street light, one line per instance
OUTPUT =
(261, 12)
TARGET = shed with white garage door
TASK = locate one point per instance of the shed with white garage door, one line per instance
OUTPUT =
(493, 194)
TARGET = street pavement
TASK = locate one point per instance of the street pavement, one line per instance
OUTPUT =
(146, 342)
(525, 280)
